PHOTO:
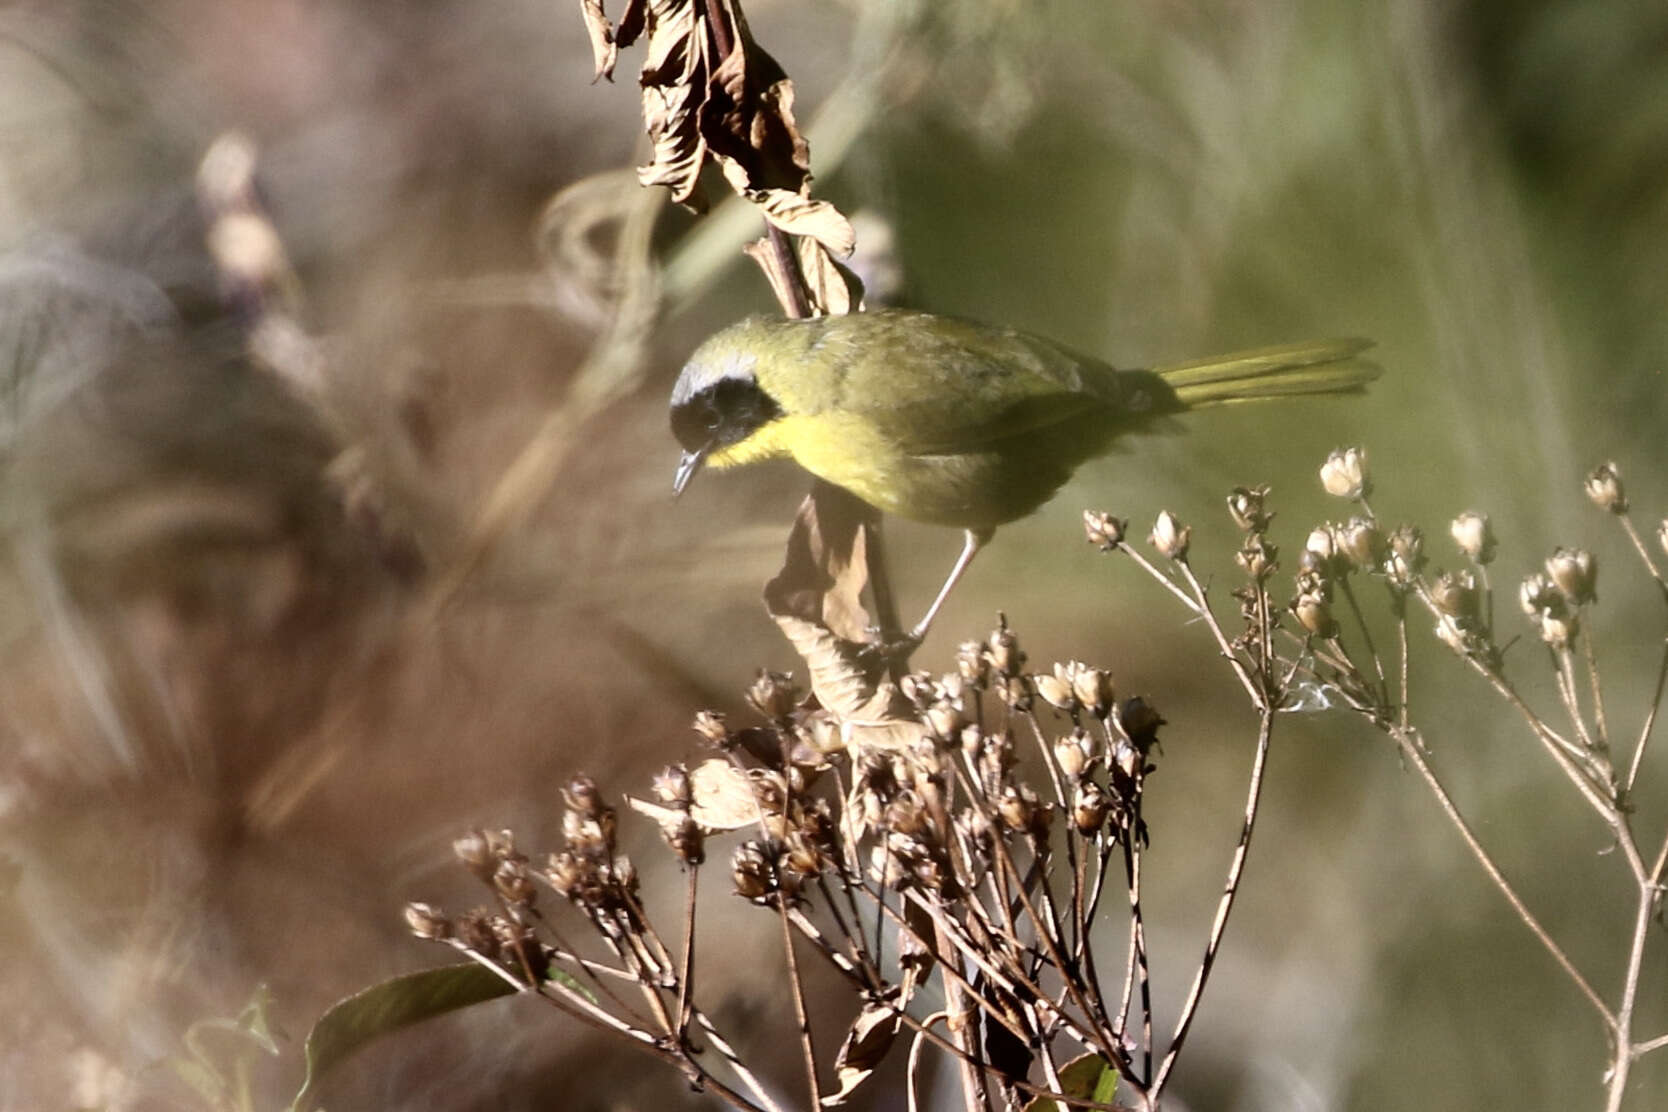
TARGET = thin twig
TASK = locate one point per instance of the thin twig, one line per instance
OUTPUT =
(1236, 869)
(1411, 753)
(1650, 721)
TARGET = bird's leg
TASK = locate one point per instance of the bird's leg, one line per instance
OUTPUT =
(976, 539)
(880, 583)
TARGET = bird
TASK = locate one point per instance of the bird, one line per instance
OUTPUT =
(949, 421)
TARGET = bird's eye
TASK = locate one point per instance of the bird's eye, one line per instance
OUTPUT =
(712, 421)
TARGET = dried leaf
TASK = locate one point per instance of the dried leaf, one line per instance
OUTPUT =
(825, 568)
(724, 797)
(871, 1036)
(602, 38)
(833, 287)
(783, 283)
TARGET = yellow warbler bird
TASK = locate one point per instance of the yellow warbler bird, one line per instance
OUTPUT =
(948, 421)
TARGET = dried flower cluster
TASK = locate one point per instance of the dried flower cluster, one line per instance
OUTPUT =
(948, 847)
(1326, 656)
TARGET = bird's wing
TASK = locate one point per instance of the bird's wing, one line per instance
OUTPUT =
(955, 386)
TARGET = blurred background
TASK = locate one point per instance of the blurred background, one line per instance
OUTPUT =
(235, 737)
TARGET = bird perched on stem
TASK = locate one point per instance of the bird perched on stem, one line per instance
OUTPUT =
(948, 421)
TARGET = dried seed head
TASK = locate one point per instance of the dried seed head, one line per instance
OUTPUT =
(971, 664)
(944, 719)
(1407, 555)
(584, 835)
(1090, 807)
(474, 931)
(1314, 613)
(1075, 753)
(752, 872)
(581, 794)
(683, 835)
(711, 726)
(1471, 532)
(1256, 557)
(1003, 649)
(1323, 544)
(566, 873)
(427, 921)
(476, 854)
(1017, 807)
(773, 694)
(1246, 507)
(515, 883)
(1103, 529)
(905, 814)
(1604, 487)
(1362, 542)
(1170, 536)
(1140, 722)
(1538, 594)
(501, 846)
(801, 855)
(996, 762)
(672, 787)
(1093, 688)
(1454, 594)
(1055, 690)
(1344, 474)
(972, 742)
(1558, 628)
(1575, 573)
(1015, 693)
(917, 687)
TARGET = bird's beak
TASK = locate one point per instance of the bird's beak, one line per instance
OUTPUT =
(687, 466)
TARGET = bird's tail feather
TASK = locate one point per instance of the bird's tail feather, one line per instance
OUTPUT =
(1315, 367)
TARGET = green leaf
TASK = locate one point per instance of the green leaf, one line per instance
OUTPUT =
(351, 1023)
(1089, 1078)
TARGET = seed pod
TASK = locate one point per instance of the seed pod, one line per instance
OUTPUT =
(1558, 628)
(773, 694)
(1103, 529)
(1093, 688)
(1090, 808)
(1003, 647)
(514, 883)
(751, 871)
(1256, 557)
(476, 854)
(944, 719)
(1246, 507)
(1314, 614)
(1075, 752)
(427, 921)
(1055, 690)
(972, 665)
(1170, 536)
(710, 725)
(1344, 474)
(1538, 594)
(1471, 532)
(1604, 487)
(683, 834)
(1454, 593)
(1575, 573)
(1407, 554)
(1362, 542)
